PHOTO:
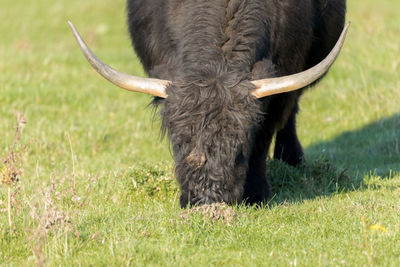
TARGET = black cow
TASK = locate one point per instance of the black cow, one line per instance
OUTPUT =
(228, 75)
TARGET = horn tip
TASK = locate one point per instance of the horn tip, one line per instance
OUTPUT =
(70, 24)
(346, 27)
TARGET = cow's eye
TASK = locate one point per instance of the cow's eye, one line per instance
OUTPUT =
(240, 159)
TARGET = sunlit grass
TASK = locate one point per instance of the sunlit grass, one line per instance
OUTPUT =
(98, 188)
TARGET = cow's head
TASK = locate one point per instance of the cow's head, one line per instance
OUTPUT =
(211, 140)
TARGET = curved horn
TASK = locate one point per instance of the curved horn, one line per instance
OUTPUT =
(272, 86)
(150, 86)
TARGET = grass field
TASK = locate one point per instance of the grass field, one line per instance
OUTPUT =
(95, 181)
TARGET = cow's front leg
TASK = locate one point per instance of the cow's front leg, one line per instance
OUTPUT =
(257, 188)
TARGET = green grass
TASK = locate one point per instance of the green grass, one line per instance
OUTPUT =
(98, 186)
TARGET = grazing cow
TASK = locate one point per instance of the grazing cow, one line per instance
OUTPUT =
(228, 75)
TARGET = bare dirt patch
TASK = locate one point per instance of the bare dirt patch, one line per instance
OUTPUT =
(213, 212)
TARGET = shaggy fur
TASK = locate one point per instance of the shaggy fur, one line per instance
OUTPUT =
(220, 134)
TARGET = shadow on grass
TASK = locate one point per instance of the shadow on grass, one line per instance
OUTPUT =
(340, 164)
(373, 148)
(307, 180)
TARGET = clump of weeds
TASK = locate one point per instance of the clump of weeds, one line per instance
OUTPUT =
(150, 180)
(46, 217)
(11, 170)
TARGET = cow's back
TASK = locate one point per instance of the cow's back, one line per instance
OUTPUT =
(172, 34)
